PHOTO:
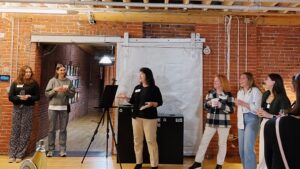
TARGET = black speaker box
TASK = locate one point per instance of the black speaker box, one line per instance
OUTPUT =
(169, 138)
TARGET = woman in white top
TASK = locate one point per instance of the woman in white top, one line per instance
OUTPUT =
(248, 102)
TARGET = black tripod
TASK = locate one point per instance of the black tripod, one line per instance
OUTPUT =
(109, 94)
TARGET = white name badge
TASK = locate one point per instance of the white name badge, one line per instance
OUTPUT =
(20, 86)
(137, 90)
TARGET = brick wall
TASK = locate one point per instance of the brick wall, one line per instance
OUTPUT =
(17, 50)
(269, 49)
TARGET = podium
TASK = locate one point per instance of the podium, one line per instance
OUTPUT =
(169, 138)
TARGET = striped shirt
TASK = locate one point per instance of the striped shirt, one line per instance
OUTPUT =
(219, 117)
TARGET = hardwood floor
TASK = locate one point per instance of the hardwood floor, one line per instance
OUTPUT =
(110, 163)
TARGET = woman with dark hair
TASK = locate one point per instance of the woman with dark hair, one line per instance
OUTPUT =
(219, 104)
(274, 100)
(288, 134)
(248, 102)
(23, 93)
(59, 89)
(146, 97)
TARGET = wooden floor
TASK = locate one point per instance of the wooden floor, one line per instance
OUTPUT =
(110, 163)
(79, 135)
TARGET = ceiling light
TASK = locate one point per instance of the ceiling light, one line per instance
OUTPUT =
(105, 60)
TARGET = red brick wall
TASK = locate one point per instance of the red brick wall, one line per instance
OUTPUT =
(269, 49)
(24, 52)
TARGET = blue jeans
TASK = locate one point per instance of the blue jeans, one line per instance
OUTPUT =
(247, 139)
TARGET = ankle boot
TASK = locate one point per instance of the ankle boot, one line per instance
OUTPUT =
(196, 165)
(138, 166)
(218, 166)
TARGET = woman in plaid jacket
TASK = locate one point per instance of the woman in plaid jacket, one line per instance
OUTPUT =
(219, 104)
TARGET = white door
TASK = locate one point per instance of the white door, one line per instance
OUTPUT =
(177, 70)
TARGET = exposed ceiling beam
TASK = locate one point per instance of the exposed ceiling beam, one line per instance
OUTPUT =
(206, 2)
(127, 7)
(228, 3)
(146, 2)
(166, 2)
(107, 6)
(291, 5)
(268, 4)
(254, 8)
(185, 2)
(78, 2)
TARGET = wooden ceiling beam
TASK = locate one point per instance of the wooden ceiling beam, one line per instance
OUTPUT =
(268, 4)
(291, 5)
(186, 2)
(166, 2)
(228, 3)
(186, 17)
(206, 2)
(127, 1)
(146, 1)
(107, 1)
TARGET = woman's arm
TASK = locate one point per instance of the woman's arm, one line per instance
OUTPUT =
(36, 92)
(50, 89)
(227, 105)
(12, 96)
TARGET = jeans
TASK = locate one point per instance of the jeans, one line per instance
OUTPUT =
(247, 139)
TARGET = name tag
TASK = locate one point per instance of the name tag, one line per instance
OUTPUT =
(137, 90)
(223, 97)
(20, 86)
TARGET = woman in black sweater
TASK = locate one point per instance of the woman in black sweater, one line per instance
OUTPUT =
(145, 98)
(23, 93)
(273, 101)
(289, 127)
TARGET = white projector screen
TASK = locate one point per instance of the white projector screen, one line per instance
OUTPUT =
(177, 70)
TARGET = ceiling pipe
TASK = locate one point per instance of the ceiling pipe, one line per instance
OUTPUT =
(188, 6)
(78, 2)
(162, 5)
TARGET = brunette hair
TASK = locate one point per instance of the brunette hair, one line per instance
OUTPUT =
(21, 76)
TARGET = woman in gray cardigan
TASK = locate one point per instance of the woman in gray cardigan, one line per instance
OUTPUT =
(58, 90)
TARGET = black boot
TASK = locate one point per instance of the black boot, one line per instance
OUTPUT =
(218, 166)
(196, 165)
(154, 167)
(138, 166)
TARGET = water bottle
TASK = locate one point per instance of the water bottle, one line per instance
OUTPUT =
(39, 158)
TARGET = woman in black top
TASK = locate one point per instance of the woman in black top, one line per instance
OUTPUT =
(23, 94)
(289, 127)
(274, 100)
(145, 98)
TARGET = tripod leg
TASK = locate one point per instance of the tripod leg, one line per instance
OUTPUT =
(93, 137)
(107, 129)
(114, 138)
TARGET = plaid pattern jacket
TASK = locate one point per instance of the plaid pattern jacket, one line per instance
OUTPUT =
(219, 117)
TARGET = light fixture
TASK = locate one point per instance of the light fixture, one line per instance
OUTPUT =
(108, 58)
(105, 60)
(36, 10)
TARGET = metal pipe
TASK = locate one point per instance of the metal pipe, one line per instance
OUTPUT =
(12, 49)
(162, 5)
(77, 2)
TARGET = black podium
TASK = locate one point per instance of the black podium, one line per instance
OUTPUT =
(169, 138)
